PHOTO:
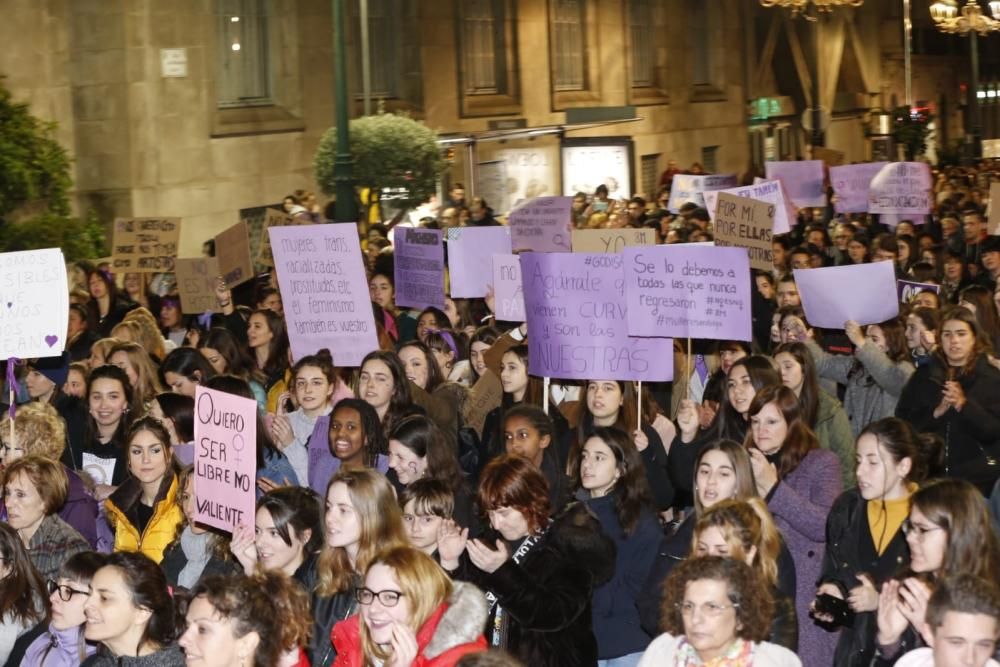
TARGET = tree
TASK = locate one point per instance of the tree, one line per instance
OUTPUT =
(389, 151)
(78, 238)
(34, 168)
(910, 129)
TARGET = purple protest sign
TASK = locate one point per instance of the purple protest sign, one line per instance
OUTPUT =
(802, 180)
(577, 321)
(687, 291)
(865, 293)
(325, 291)
(225, 459)
(909, 289)
(903, 188)
(542, 224)
(768, 191)
(508, 293)
(850, 185)
(470, 251)
(418, 255)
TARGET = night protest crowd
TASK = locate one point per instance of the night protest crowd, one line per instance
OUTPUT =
(813, 497)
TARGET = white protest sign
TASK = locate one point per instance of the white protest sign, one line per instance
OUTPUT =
(470, 249)
(865, 293)
(507, 288)
(542, 224)
(34, 304)
(903, 188)
(691, 189)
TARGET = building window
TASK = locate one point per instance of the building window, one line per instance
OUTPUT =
(482, 46)
(702, 55)
(650, 173)
(244, 77)
(709, 156)
(642, 55)
(569, 49)
(384, 42)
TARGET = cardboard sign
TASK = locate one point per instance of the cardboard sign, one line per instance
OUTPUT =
(612, 240)
(34, 304)
(542, 224)
(903, 188)
(225, 459)
(691, 189)
(196, 279)
(765, 191)
(232, 249)
(323, 285)
(829, 156)
(470, 250)
(485, 395)
(802, 180)
(418, 260)
(508, 293)
(993, 224)
(578, 321)
(273, 217)
(145, 245)
(688, 292)
(865, 293)
(851, 184)
(746, 223)
(909, 289)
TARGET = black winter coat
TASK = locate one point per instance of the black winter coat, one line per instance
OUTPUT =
(174, 561)
(547, 596)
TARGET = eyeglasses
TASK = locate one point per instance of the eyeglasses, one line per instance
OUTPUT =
(366, 596)
(66, 593)
(919, 531)
(710, 609)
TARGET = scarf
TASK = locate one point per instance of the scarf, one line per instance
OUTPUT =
(739, 654)
(498, 634)
(195, 548)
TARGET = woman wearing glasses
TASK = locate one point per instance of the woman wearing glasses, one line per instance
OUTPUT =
(63, 643)
(716, 611)
(22, 591)
(411, 614)
(948, 532)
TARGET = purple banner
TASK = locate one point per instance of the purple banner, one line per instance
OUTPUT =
(325, 291)
(865, 293)
(508, 292)
(418, 255)
(902, 188)
(908, 289)
(769, 191)
(802, 180)
(542, 224)
(470, 252)
(578, 321)
(850, 185)
(683, 291)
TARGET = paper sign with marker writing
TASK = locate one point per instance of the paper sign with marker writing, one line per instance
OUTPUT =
(746, 223)
(34, 304)
(196, 280)
(865, 293)
(903, 188)
(909, 289)
(691, 189)
(851, 184)
(542, 224)
(681, 291)
(145, 245)
(232, 249)
(324, 289)
(611, 240)
(766, 191)
(802, 180)
(578, 321)
(508, 293)
(470, 251)
(225, 459)
(418, 258)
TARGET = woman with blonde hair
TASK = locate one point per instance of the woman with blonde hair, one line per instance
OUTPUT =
(149, 332)
(411, 614)
(100, 351)
(132, 358)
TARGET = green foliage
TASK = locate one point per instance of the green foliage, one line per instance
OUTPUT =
(78, 238)
(910, 130)
(389, 151)
(33, 166)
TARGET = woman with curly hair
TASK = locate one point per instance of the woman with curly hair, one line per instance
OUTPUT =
(716, 609)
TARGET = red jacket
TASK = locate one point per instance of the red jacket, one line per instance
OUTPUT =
(454, 629)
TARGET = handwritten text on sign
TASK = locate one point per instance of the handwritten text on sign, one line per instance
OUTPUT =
(145, 245)
(901, 187)
(542, 224)
(577, 319)
(746, 223)
(34, 304)
(611, 240)
(325, 291)
(851, 183)
(419, 268)
(508, 292)
(766, 191)
(688, 291)
(196, 280)
(225, 459)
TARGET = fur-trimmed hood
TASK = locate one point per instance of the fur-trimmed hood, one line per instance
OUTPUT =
(462, 622)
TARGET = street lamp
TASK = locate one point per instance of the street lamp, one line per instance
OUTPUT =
(973, 21)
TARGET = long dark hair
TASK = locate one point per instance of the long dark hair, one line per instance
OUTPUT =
(422, 436)
(179, 409)
(958, 507)
(187, 362)
(374, 435)
(109, 372)
(22, 596)
(799, 440)
(902, 441)
(535, 389)
(277, 349)
(631, 492)
(434, 375)
(982, 344)
(809, 394)
(148, 587)
(238, 361)
(401, 401)
(729, 424)
(299, 509)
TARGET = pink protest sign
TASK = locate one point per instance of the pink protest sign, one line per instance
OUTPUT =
(686, 291)
(508, 293)
(418, 255)
(325, 291)
(470, 253)
(542, 224)
(802, 180)
(578, 321)
(902, 188)
(768, 191)
(225, 459)
(850, 185)
(865, 293)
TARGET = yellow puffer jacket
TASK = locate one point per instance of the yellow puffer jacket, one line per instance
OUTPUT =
(162, 527)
